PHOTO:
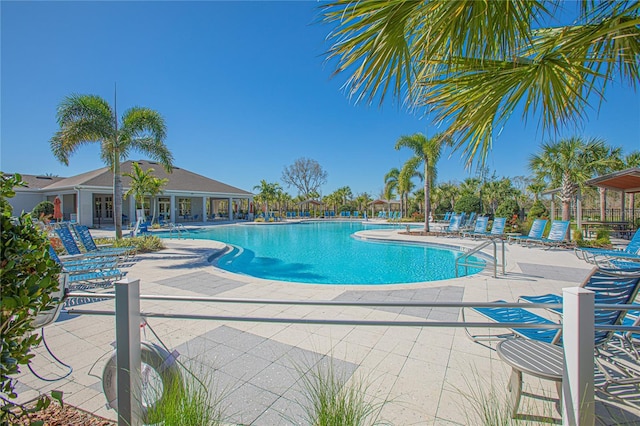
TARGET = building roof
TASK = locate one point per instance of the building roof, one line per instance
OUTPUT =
(35, 182)
(179, 180)
(625, 180)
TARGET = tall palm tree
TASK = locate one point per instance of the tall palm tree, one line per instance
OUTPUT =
(267, 192)
(450, 192)
(141, 182)
(405, 183)
(87, 119)
(428, 150)
(473, 63)
(567, 164)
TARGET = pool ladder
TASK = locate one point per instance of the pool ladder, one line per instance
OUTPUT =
(465, 258)
(178, 228)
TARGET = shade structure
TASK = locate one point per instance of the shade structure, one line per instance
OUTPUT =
(625, 180)
(57, 211)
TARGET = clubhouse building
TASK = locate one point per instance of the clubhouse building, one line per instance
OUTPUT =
(88, 198)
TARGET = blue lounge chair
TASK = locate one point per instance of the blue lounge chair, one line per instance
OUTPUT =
(556, 237)
(454, 226)
(497, 228)
(89, 244)
(609, 288)
(630, 252)
(480, 228)
(536, 232)
(97, 272)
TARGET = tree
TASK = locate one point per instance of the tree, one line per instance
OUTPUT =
(306, 175)
(268, 192)
(567, 164)
(144, 183)
(475, 63)
(405, 183)
(87, 119)
(428, 151)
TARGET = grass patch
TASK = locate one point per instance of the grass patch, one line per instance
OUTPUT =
(489, 406)
(334, 400)
(192, 402)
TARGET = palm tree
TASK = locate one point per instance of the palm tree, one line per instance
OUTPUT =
(405, 184)
(86, 119)
(144, 183)
(536, 187)
(140, 183)
(474, 63)
(568, 163)
(267, 192)
(428, 150)
(450, 192)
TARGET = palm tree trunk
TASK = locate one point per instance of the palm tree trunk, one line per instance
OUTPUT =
(117, 196)
(427, 195)
(566, 194)
(603, 203)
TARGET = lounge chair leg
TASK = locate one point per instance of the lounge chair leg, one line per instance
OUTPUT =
(515, 388)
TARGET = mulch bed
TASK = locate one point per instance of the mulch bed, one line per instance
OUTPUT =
(55, 415)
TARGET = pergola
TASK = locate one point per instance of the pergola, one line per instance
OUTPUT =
(625, 181)
(382, 202)
(308, 203)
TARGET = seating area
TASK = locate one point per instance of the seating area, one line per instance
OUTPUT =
(92, 266)
(610, 286)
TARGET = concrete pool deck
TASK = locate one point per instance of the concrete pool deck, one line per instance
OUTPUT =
(423, 374)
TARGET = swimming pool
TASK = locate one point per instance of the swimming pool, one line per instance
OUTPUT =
(326, 253)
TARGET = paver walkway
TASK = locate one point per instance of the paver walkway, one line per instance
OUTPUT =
(422, 373)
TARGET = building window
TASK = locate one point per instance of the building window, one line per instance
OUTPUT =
(164, 207)
(184, 207)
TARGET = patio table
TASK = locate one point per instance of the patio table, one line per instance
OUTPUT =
(539, 359)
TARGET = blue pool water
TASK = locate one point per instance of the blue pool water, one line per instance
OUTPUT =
(326, 253)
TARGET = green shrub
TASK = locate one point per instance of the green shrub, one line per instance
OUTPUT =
(28, 276)
(468, 203)
(507, 209)
(537, 211)
(603, 234)
(44, 208)
(442, 209)
(143, 243)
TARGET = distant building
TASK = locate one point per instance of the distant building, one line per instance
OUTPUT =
(88, 197)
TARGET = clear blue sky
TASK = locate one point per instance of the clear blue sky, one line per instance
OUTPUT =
(243, 87)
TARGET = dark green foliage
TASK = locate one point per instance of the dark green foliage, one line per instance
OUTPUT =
(468, 203)
(537, 211)
(442, 209)
(28, 276)
(603, 234)
(507, 208)
(44, 208)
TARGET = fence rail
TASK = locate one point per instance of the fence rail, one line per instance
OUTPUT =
(578, 328)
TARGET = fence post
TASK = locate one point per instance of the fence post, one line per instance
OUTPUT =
(578, 333)
(128, 352)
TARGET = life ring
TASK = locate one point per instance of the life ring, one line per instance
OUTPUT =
(159, 371)
(44, 318)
